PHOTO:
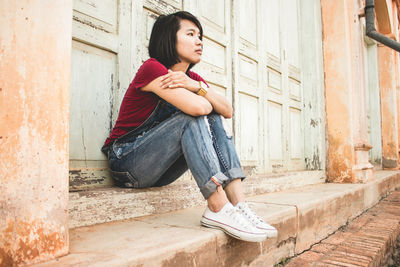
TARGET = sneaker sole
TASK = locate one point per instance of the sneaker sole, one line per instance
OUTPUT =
(269, 233)
(233, 232)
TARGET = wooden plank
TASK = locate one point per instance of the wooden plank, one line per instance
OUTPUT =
(93, 78)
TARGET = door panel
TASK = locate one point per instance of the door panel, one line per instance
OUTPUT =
(92, 83)
(100, 65)
(213, 18)
(291, 32)
(272, 26)
(275, 132)
(284, 87)
(101, 14)
(296, 141)
(249, 148)
(248, 22)
(247, 80)
(148, 17)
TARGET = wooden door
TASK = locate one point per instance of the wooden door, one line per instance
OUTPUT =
(283, 93)
(251, 55)
(100, 73)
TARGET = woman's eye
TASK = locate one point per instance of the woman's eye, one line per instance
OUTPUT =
(190, 33)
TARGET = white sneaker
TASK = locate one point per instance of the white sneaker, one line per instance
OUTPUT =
(258, 222)
(232, 222)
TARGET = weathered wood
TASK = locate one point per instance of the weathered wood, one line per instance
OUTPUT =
(313, 84)
(101, 72)
(111, 204)
(251, 54)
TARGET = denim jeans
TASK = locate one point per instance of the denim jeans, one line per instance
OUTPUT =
(168, 143)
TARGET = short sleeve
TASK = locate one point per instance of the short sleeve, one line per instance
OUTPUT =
(150, 70)
(193, 75)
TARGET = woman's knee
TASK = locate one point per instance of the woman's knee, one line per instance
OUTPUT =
(219, 123)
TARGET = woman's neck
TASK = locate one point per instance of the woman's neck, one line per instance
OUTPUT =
(181, 66)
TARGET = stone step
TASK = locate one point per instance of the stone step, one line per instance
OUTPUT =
(111, 204)
(303, 217)
(369, 240)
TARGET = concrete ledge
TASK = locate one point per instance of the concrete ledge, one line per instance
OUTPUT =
(303, 217)
(113, 204)
(369, 240)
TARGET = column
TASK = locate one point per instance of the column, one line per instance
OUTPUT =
(347, 146)
(387, 76)
(35, 54)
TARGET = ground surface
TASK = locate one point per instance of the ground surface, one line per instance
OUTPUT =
(371, 239)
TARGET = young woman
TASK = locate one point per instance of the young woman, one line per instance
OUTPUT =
(171, 120)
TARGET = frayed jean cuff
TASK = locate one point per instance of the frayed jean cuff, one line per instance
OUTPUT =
(233, 174)
(222, 179)
(211, 186)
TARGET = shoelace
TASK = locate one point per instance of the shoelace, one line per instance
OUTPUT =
(250, 214)
(236, 216)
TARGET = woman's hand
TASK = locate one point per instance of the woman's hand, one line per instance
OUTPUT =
(181, 98)
(178, 79)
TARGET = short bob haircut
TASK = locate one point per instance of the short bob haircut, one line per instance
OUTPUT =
(162, 45)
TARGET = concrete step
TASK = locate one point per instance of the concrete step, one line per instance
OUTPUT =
(369, 240)
(112, 204)
(303, 217)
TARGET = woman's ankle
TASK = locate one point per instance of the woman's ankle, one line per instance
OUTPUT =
(234, 192)
(217, 200)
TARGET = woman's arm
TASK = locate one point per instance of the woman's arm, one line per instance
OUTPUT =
(181, 98)
(178, 79)
(219, 103)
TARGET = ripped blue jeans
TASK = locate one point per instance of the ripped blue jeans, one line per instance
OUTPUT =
(168, 143)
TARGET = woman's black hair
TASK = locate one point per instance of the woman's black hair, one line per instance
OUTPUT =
(162, 45)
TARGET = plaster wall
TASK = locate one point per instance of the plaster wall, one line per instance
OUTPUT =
(358, 73)
(35, 52)
(387, 23)
(387, 76)
(338, 95)
(346, 115)
(395, 12)
(362, 170)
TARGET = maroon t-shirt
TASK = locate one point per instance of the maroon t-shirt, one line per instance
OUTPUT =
(137, 105)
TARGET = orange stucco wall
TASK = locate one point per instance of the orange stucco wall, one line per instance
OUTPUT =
(344, 65)
(387, 76)
(395, 15)
(338, 93)
(35, 52)
(388, 61)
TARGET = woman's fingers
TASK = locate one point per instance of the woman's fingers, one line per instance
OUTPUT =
(164, 77)
(173, 84)
(169, 82)
(177, 85)
(173, 79)
(168, 75)
(165, 80)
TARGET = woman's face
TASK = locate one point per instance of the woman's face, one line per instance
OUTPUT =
(188, 44)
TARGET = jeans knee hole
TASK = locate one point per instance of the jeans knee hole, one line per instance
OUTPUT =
(208, 124)
(226, 127)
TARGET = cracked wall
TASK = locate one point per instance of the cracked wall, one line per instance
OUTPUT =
(35, 45)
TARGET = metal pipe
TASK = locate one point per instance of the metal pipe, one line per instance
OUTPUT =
(370, 27)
